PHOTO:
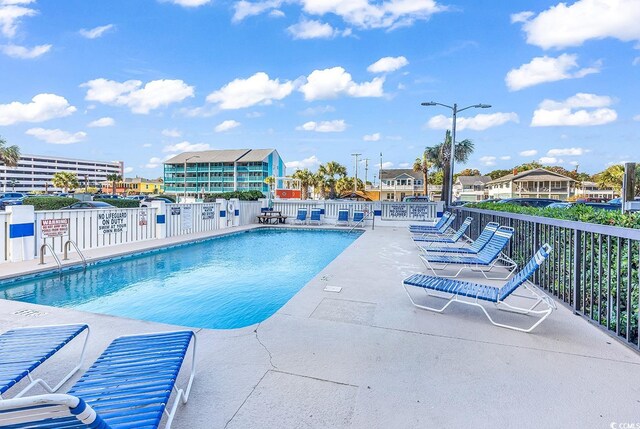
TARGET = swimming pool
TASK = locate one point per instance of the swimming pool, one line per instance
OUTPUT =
(226, 282)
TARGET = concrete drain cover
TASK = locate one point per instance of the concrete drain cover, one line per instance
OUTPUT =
(338, 310)
(336, 289)
(29, 313)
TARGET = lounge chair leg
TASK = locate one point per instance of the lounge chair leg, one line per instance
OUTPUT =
(426, 307)
(182, 396)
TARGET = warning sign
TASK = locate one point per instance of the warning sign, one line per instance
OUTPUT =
(54, 227)
(142, 217)
(112, 222)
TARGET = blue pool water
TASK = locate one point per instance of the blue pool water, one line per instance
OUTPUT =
(227, 282)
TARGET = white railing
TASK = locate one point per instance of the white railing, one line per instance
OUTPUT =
(4, 237)
(249, 210)
(91, 229)
(191, 218)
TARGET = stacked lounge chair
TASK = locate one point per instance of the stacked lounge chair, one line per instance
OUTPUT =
(476, 246)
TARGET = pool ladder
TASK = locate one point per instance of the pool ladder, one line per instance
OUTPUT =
(66, 247)
(361, 221)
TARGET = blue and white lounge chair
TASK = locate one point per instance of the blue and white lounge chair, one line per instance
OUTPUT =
(343, 217)
(476, 246)
(128, 386)
(23, 350)
(442, 229)
(301, 218)
(449, 238)
(484, 261)
(417, 228)
(473, 293)
(358, 218)
(315, 216)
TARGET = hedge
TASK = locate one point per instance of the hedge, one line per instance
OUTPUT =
(578, 212)
(120, 203)
(48, 203)
(241, 195)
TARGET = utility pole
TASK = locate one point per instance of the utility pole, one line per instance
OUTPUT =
(355, 180)
(380, 178)
(366, 171)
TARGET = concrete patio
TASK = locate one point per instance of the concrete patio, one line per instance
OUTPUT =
(366, 358)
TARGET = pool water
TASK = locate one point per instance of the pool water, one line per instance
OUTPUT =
(222, 283)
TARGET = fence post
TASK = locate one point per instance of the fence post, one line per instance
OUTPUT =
(222, 203)
(161, 218)
(234, 203)
(21, 233)
(577, 269)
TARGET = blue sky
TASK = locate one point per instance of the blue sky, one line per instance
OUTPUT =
(142, 80)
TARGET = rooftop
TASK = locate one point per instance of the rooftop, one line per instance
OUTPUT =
(537, 174)
(366, 358)
(227, 155)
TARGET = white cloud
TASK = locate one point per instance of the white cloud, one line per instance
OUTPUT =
(529, 152)
(96, 32)
(479, 122)
(258, 89)
(547, 69)
(359, 13)
(636, 118)
(187, 3)
(333, 82)
(147, 145)
(388, 64)
(11, 14)
(570, 151)
(310, 162)
(335, 126)
(277, 13)
(488, 160)
(565, 25)
(154, 162)
(226, 126)
(385, 165)
(42, 108)
(312, 111)
(372, 137)
(547, 160)
(102, 122)
(171, 132)
(636, 61)
(56, 136)
(23, 52)
(128, 169)
(310, 29)
(185, 146)
(404, 165)
(505, 158)
(564, 113)
(140, 99)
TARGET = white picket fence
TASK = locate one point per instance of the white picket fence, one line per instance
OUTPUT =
(4, 237)
(249, 210)
(185, 219)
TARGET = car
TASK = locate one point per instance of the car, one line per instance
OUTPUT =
(147, 201)
(529, 202)
(11, 199)
(597, 206)
(136, 197)
(561, 205)
(88, 205)
(416, 199)
(106, 197)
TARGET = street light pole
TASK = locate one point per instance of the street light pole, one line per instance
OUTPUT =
(455, 110)
(185, 174)
(355, 181)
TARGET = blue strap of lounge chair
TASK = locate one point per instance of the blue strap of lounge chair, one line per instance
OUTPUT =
(478, 292)
(438, 224)
(22, 350)
(446, 238)
(476, 246)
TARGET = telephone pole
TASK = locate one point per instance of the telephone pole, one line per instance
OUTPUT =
(355, 180)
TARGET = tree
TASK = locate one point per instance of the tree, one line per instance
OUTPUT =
(65, 180)
(422, 165)
(329, 171)
(345, 184)
(527, 166)
(496, 174)
(9, 155)
(610, 178)
(467, 172)
(440, 155)
(307, 178)
(114, 178)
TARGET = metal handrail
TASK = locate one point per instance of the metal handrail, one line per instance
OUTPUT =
(360, 221)
(53, 253)
(66, 253)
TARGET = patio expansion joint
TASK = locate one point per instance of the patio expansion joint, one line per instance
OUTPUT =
(449, 337)
(255, 386)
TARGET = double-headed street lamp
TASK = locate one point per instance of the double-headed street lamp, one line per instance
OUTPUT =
(455, 110)
(185, 174)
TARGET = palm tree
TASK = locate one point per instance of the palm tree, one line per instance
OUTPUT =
(440, 155)
(423, 165)
(307, 178)
(65, 180)
(345, 184)
(114, 178)
(611, 177)
(320, 185)
(330, 170)
(9, 155)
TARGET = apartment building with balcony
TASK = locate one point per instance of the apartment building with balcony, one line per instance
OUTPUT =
(214, 171)
(536, 183)
(398, 183)
(35, 172)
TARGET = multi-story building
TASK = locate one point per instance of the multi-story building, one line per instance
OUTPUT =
(470, 188)
(221, 171)
(398, 183)
(536, 183)
(34, 172)
(134, 186)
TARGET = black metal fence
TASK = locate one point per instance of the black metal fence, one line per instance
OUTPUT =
(594, 269)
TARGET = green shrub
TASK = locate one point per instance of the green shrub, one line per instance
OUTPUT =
(48, 203)
(120, 203)
(241, 195)
(578, 212)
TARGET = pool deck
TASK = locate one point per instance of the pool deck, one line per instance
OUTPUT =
(366, 358)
